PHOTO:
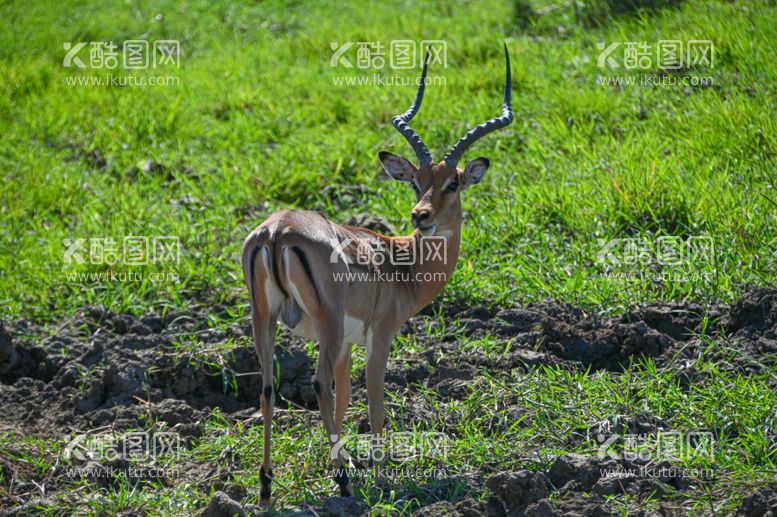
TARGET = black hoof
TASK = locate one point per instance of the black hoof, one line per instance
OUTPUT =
(346, 490)
(264, 492)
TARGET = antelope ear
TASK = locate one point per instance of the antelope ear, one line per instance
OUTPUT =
(474, 172)
(397, 167)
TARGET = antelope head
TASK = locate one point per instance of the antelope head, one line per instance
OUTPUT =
(438, 185)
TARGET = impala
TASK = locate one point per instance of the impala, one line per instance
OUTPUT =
(334, 284)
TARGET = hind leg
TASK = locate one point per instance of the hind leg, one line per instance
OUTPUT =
(265, 348)
(330, 344)
(265, 305)
(323, 301)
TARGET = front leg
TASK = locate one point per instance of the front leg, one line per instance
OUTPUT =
(378, 348)
(342, 399)
(342, 387)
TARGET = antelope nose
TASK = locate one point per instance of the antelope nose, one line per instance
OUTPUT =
(418, 217)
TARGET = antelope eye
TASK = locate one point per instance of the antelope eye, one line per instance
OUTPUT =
(452, 187)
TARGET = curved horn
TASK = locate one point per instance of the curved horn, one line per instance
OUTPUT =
(453, 156)
(401, 121)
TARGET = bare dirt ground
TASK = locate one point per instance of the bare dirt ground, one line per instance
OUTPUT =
(100, 368)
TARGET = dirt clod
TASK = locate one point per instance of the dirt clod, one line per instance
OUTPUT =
(9, 357)
(221, 505)
(344, 507)
(761, 503)
(511, 492)
(574, 468)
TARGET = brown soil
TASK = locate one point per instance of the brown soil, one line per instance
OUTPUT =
(101, 368)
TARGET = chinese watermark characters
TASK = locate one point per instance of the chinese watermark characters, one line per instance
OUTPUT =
(132, 55)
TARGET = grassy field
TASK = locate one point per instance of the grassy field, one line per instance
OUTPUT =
(585, 186)
(257, 123)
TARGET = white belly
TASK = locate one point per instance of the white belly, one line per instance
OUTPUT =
(353, 329)
(305, 328)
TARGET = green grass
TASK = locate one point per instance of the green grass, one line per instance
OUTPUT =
(259, 123)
